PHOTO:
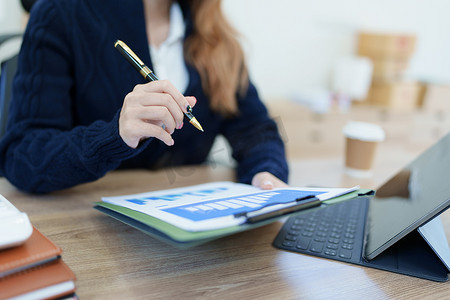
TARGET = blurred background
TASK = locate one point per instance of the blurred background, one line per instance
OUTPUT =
(320, 63)
(293, 46)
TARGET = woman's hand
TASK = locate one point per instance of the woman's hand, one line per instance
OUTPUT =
(154, 109)
(267, 181)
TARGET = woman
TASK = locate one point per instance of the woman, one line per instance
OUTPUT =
(80, 110)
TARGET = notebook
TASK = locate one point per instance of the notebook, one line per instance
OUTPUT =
(37, 250)
(35, 270)
(48, 281)
(397, 230)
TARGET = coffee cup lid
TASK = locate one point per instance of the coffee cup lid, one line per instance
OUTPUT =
(363, 131)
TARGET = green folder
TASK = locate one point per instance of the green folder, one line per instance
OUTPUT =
(182, 238)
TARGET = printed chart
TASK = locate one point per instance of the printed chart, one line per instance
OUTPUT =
(235, 205)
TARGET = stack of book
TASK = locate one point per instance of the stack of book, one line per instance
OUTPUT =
(35, 270)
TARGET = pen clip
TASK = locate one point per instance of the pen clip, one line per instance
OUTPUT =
(124, 49)
(298, 204)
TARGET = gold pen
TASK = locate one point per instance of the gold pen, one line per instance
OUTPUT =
(145, 71)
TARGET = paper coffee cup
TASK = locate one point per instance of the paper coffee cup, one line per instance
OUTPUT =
(360, 147)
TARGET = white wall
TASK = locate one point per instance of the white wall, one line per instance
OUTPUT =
(10, 16)
(11, 21)
(291, 45)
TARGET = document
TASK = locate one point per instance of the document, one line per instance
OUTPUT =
(218, 205)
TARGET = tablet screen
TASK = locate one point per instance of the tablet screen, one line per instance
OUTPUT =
(412, 197)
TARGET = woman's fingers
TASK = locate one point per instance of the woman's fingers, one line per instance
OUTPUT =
(267, 181)
(191, 100)
(160, 114)
(154, 109)
(152, 130)
(140, 98)
(166, 87)
(134, 131)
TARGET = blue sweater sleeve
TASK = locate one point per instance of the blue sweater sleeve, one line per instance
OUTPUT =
(43, 150)
(255, 140)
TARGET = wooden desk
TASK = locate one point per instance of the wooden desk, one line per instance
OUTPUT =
(114, 261)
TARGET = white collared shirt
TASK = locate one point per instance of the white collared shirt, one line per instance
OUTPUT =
(167, 59)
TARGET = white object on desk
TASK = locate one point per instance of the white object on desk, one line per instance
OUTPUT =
(15, 227)
(216, 205)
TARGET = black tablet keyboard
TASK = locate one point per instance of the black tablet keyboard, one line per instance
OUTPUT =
(335, 231)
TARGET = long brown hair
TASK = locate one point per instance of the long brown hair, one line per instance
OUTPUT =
(213, 49)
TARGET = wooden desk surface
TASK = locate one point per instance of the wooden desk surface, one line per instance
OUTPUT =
(114, 261)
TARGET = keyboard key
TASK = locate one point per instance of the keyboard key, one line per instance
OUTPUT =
(288, 243)
(316, 247)
(291, 237)
(333, 241)
(347, 246)
(349, 235)
(308, 234)
(309, 228)
(345, 254)
(299, 221)
(335, 235)
(321, 234)
(332, 246)
(330, 252)
(303, 244)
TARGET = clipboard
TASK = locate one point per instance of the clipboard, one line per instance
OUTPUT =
(182, 238)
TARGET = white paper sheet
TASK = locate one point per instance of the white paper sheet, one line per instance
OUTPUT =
(215, 205)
